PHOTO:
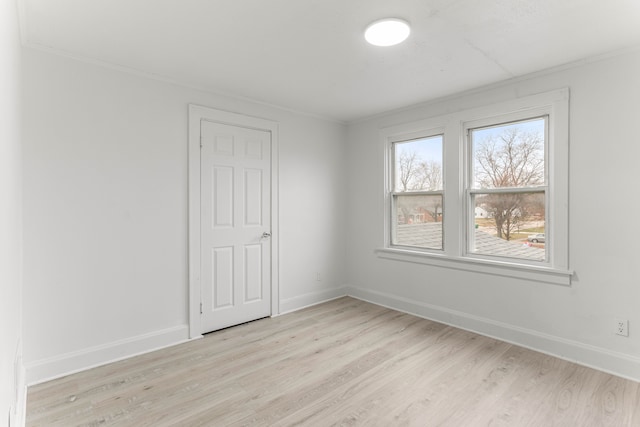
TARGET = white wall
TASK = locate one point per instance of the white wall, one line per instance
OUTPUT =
(11, 370)
(105, 211)
(574, 322)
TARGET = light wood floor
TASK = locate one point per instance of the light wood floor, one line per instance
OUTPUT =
(345, 362)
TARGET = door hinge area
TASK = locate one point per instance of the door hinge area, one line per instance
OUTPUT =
(200, 308)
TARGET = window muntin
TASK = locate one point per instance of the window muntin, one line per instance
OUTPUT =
(417, 195)
(507, 189)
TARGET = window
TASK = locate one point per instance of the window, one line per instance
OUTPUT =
(417, 193)
(507, 189)
(482, 190)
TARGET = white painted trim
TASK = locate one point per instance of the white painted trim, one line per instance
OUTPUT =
(602, 359)
(620, 364)
(196, 115)
(313, 298)
(81, 360)
(19, 412)
(540, 274)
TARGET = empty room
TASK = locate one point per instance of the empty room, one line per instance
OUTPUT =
(319, 212)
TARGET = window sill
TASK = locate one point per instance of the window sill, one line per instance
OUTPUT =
(496, 268)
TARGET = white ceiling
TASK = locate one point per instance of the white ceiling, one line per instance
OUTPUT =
(310, 55)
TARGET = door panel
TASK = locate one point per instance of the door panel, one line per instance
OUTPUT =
(222, 197)
(222, 277)
(253, 197)
(235, 224)
(252, 280)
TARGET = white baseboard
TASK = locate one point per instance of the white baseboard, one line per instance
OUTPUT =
(619, 364)
(55, 367)
(306, 300)
(44, 370)
(616, 363)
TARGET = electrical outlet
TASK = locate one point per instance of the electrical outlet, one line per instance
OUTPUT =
(622, 327)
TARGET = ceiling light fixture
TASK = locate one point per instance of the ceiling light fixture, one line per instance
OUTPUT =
(387, 32)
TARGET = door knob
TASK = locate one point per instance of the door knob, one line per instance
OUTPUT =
(266, 235)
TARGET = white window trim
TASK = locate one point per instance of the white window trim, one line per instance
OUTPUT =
(455, 255)
(548, 189)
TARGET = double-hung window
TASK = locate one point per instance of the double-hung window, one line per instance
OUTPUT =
(482, 190)
(417, 196)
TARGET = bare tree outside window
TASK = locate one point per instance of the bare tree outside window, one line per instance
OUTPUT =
(416, 174)
(407, 168)
(509, 158)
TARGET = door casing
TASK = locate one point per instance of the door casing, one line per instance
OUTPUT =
(196, 115)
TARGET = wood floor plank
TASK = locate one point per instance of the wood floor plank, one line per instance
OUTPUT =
(345, 362)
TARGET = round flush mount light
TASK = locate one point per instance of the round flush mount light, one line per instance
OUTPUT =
(387, 32)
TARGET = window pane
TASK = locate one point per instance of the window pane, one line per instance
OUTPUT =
(509, 225)
(418, 165)
(509, 155)
(418, 221)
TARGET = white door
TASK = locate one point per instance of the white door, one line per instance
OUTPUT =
(235, 192)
